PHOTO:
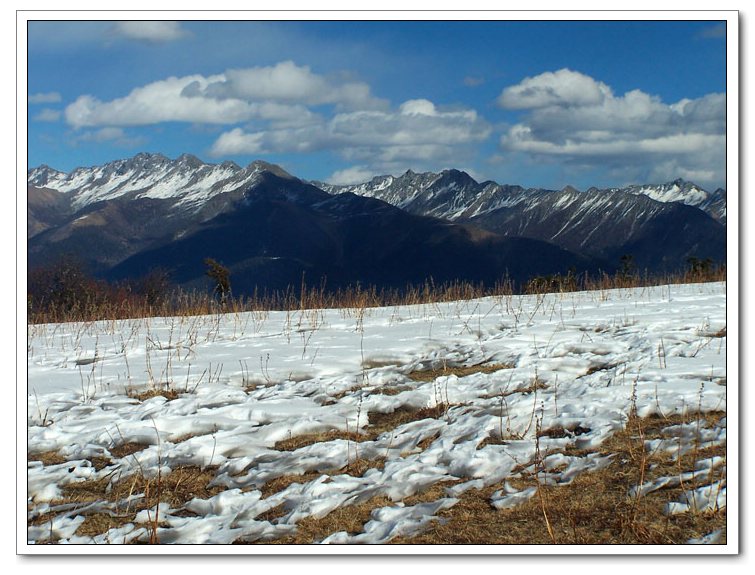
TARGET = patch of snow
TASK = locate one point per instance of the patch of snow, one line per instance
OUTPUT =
(246, 381)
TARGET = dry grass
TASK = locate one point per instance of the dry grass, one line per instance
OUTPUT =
(97, 300)
(47, 457)
(350, 519)
(356, 468)
(168, 393)
(177, 488)
(428, 375)
(595, 508)
(127, 448)
(379, 424)
(391, 390)
(126, 496)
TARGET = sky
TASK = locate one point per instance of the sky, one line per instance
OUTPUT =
(534, 103)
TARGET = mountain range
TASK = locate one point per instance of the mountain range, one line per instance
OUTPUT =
(270, 228)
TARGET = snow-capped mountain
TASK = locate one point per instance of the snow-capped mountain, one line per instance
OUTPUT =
(683, 192)
(150, 210)
(187, 181)
(455, 195)
(659, 225)
(450, 194)
(611, 223)
(715, 205)
(267, 226)
(190, 183)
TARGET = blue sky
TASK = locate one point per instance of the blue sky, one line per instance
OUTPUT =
(545, 104)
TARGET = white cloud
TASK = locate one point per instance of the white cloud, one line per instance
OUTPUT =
(561, 88)
(116, 136)
(417, 132)
(48, 115)
(352, 175)
(44, 98)
(569, 117)
(238, 142)
(279, 94)
(418, 108)
(161, 101)
(287, 82)
(150, 31)
(288, 108)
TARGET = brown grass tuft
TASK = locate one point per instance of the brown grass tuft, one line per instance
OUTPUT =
(127, 448)
(355, 468)
(379, 424)
(350, 518)
(47, 457)
(427, 375)
(168, 393)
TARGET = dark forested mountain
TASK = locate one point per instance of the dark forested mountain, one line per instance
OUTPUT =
(129, 216)
(272, 238)
(661, 226)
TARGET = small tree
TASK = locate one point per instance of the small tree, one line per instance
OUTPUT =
(700, 269)
(221, 275)
(627, 266)
(155, 287)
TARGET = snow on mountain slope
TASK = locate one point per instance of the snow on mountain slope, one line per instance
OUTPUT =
(450, 194)
(453, 195)
(677, 191)
(187, 179)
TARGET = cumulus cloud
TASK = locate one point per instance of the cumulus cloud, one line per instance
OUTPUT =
(44, 98)
(288, 82)
(48, 115)
(562, 88)
(113, 135)
(352, 175)
(418, 130)
(418, 108)
(287, 108)
(150, 31)
(280, 93)
(173, 100)
(572, 118)
(238, 142)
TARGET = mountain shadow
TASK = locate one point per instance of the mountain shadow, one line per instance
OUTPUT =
(280, 232)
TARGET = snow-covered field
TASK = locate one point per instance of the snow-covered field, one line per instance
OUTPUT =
(246, 387)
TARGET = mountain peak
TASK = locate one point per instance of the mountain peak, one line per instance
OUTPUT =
(147, 156)
(190, 160)
(263, 166)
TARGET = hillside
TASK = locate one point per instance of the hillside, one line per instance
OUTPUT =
(457, 423)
